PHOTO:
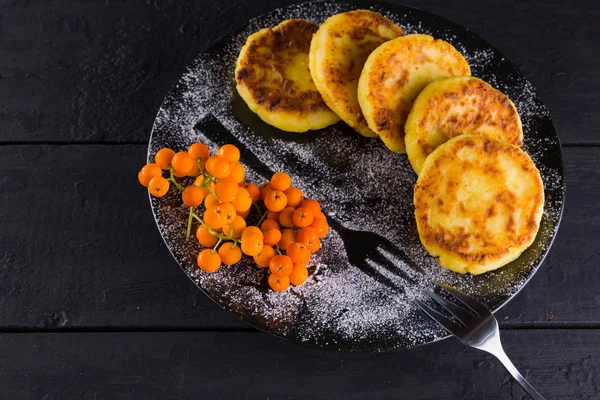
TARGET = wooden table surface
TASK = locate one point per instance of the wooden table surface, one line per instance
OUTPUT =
(93, 306)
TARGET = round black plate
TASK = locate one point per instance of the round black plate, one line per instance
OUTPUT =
(372, 266)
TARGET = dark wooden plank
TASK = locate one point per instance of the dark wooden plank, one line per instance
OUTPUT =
(561, 364)
(79, 248)
(97, 71)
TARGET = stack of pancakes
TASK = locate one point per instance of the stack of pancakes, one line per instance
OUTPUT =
(479, 197)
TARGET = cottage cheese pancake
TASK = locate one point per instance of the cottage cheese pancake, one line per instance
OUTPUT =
(273, 78)
(337, 54)
(393, 76)
(478, 203)
(449, 107)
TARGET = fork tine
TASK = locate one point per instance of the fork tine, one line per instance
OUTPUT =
(441, 319)
(461, 314)
(467, 300)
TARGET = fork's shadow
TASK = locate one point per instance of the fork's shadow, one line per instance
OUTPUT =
(377, 257)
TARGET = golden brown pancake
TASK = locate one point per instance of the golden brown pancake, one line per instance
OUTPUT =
(478, 203)
(273, 78)
(449, 107)
(337, 54)
(393, 76)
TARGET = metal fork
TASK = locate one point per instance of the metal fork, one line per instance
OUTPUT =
(474, 325)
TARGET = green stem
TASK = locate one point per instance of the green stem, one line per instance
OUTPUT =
(213, 193)
(190, 219)
(215, 233)
(172, 179)
(262, 218)
(277, 250)
(217, 245)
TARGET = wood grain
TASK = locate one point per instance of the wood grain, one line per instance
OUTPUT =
(560, 364)
(98, 71)
(80, 248)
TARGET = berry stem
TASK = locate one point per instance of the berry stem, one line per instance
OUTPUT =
(262, 218)
(211, 192)
(190, 219)
(217, 245)
(213, 232)
(172, 179)
(277, 250)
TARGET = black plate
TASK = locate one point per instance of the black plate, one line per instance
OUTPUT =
(348, 303)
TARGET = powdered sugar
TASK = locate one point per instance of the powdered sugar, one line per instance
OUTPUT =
(362, 186)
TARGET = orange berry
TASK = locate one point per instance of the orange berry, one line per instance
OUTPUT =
(302, 217)
(182, 162)
(320, 215)
(237, 172)
(178, 174)
(230, 253)
(312, 205)
(299, 275)
(294, 196)
(298, 253)
(273, 215)
(229, 152)
(252, 241)
(148, 172)
(163, 158)
(308, 237)
(158, 186)
(205, 238)
(226, 189)
(210, 200)
(288, 236)
(264, 189)
(235, 228)
(199, 151)
(269, 224)
(281, 266)
(279, 284)
(209, 260)
(286, 217)
(251, 230)
(321, 226)
(280, 181)
(229, 211)
(272, 236)
(253, 190)
(192, 196)
(218, 167)
(242, 201)
(300, 264)
(244, 214)
(198, 168)
(275, 200)
(263, 258)
(252, 244)
(215, 216)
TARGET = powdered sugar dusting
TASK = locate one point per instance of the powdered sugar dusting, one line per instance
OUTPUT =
(362, 186)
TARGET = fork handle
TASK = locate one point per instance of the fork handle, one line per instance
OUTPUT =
(501, 355)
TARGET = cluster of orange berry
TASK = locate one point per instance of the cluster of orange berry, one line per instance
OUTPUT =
(288, 227)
